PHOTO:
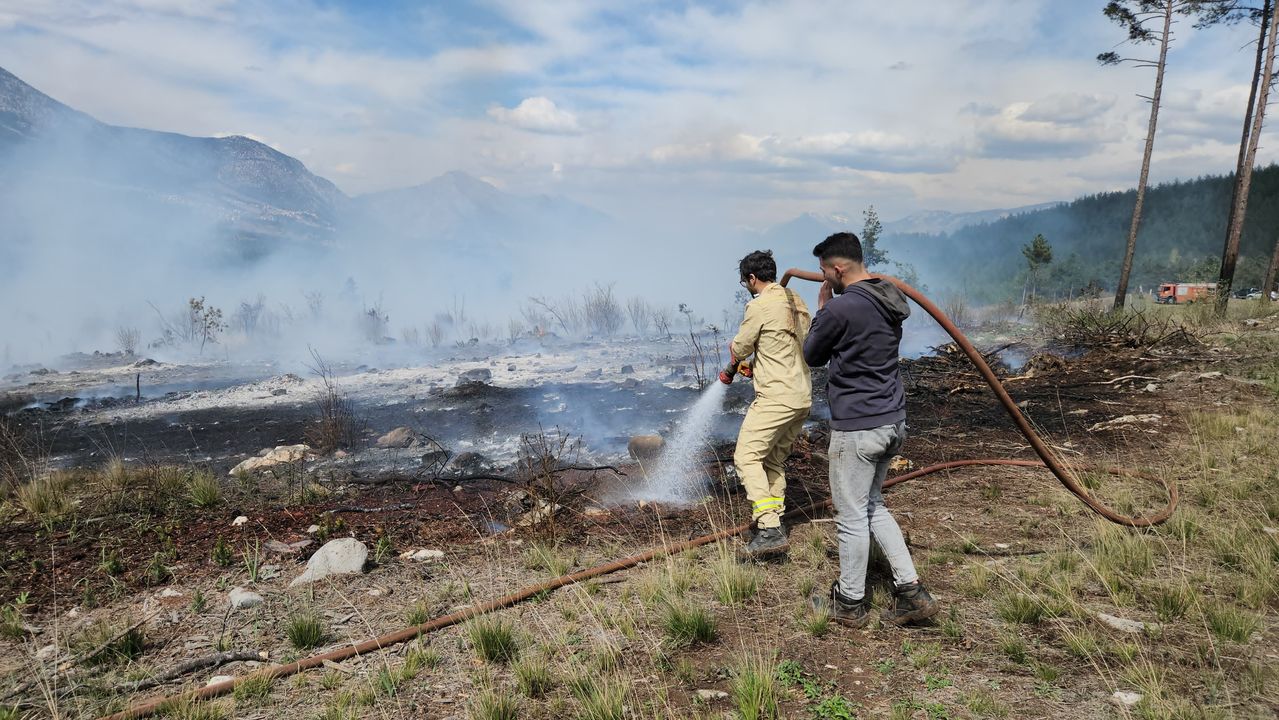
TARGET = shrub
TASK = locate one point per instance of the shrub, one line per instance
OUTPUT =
(203, 489)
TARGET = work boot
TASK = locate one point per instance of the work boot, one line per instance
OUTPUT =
(768, 542)
(841, 608)
(911, 603)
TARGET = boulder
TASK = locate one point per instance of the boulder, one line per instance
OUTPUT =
(475, 377)
(435, 460)
(344, 556)
(400, 437)
(628, 369)
(241, 598)
(277, 456)
(471, 463)
(645, 448)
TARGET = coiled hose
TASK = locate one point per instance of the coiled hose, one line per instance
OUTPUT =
(1047, 459)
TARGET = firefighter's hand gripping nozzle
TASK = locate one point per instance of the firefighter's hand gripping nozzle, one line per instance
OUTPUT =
(735, 367)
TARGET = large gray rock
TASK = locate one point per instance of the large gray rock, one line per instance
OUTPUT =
(473, 377)
(344, 556)
(400, 437)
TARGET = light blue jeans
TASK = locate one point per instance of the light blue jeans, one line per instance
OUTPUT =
(858, 465)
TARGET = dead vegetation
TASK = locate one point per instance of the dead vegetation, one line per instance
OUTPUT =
(698, 635)
(337, 424)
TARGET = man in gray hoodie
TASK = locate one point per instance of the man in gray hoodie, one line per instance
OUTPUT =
(858, 331)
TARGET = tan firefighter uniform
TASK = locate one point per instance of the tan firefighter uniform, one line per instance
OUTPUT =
(773, 331)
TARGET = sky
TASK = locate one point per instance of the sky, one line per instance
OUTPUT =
(745, 113)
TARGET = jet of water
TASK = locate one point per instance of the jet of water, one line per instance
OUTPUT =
(677, 476)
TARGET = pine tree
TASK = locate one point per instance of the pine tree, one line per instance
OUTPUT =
(1254, 118)
(872, 228)
(1037, 253)
(1134, 16)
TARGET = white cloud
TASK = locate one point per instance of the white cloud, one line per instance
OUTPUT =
(537, 114)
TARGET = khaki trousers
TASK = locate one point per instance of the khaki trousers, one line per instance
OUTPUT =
(763, 444)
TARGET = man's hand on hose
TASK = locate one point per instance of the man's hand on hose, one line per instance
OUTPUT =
(724, 377)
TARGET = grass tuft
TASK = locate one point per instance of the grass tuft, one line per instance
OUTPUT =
(493, 705)
(755, 689)
(203, 490)
(734, 582)
(493, 639)
(253, 690)
(687, 624)
(1230, 623)
(533, 676)
(305, 631)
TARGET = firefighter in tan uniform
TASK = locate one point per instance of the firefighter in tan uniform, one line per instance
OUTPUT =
(772, 331)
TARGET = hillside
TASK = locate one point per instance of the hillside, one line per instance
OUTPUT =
(1180, 239)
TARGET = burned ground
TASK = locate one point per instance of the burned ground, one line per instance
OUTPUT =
(983, 538)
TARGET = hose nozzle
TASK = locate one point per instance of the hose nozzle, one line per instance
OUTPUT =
(735, 367)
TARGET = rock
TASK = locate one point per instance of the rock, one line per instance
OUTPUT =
(48, 652)
(630, 383)
(1151, 387)
(278, 456)
(435, 460)
(279, 391)
(344, 556)
(400, 437)
(510, 368)
(595, 512)
(341, 454)
(1121, 624)
(241, 598)
(1144, 419)
(423, 555)
(628, 369)
(1123, 698)
(711, 695)
(240, 520)
(543, 512)
(1214, 375)
(471, 463)
(147, 362)
(594, 374)
(313, 530)
(283, 548)
(1252, 322)
(517, 502)
(219, 679)
(169, 593)
(474, 377)
(645, 448)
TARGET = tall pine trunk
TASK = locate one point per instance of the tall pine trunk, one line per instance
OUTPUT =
(1243, 179)
(1271, 272)
(1121, 289)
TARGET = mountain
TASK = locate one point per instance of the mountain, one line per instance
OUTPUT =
(470, 216)
(238, 191)
(940, 222)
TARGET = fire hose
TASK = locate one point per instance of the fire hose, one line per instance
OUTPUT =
(1047, 459)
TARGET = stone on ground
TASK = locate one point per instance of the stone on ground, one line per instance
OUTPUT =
(277, 456)
(344, 556)
(242, 598)
(400, 437)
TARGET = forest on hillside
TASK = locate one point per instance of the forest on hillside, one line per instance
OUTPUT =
(1182, 230)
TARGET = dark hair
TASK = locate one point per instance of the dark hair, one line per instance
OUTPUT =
(840, 245)
(760, 264)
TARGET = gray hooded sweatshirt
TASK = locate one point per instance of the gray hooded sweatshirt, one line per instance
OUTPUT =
(859, 333)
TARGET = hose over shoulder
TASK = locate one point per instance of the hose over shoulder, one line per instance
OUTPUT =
(1047, 458)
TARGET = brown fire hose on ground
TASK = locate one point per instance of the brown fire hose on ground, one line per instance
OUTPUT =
(1047, 459)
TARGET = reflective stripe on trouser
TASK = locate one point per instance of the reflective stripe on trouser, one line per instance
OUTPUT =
(763, 443)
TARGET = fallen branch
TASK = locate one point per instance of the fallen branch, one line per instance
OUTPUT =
(75, 660)
(1125, 377)
(208, 661)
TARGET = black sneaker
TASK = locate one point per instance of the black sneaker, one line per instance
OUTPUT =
(842, 609)
(768, 542)
(911, 603)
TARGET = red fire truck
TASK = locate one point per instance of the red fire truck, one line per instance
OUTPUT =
(1174, 293)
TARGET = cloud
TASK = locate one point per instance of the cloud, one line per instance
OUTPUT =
(1059, 126)
(873, 150)
(538, 114)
